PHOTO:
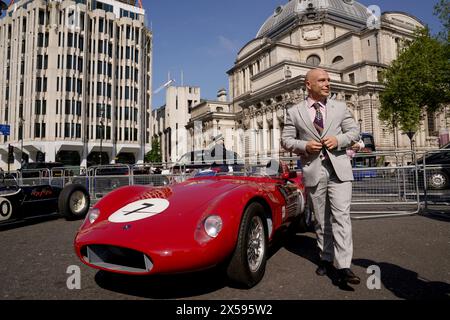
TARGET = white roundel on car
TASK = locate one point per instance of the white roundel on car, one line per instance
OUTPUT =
(139, 210)
(5, 209)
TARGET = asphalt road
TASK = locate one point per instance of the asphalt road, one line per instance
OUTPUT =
(413, 254)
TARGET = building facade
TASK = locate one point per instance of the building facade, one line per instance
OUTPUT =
(211, 121)
(339, 36)
(169, 121)
(76, 84)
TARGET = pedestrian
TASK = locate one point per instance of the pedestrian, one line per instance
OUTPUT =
(320, 130)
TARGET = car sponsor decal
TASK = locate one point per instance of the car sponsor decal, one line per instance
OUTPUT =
(5, 209)
(139, 210)
(41, 192)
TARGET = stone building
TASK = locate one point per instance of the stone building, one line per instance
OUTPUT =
(169, 121)
(341, 36)
(76, 81)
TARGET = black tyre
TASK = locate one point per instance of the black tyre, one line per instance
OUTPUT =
(74, 202)
(6, 209)
(248, 262)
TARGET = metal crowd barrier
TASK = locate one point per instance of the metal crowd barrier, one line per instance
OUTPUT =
(388, 189)
(398, 184)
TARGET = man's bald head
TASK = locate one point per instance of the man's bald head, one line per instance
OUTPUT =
(317, 82)
(313, 73)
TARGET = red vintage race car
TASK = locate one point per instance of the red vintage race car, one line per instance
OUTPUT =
(203, 222)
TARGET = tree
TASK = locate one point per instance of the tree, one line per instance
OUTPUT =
(442, 11)
(416, 82)
(154, 155)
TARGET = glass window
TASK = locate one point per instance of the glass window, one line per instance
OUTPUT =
(37, 130)
(70, 39)
(41, 17)
(40, 39)
(338, 59)
(66, 130)
(37, 107)
(313, 60)
(69, 61)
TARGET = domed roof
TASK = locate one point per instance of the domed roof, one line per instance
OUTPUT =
(349, 10)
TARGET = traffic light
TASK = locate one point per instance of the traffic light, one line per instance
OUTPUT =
(10, 153)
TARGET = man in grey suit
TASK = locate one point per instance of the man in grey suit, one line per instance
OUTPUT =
(319, 130)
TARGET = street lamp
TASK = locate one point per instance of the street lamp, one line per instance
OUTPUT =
(101, 133)
(410, 133)
(360, 125)
(371, 111)
(21, 121)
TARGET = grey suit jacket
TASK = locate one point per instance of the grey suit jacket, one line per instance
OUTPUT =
(299, 129)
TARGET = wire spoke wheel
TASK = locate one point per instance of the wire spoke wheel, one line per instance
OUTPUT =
(248, 261)
(256, 244)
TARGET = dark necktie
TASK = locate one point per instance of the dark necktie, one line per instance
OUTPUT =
(318, 120)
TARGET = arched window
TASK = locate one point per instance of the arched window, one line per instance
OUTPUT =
(313, 60)
(338, 59)
(277, 11)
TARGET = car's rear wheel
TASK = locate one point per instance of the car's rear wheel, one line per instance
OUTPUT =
(73, 202)
(248, 262)
(438, 180)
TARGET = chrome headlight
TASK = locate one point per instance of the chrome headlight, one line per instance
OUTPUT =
(213, 225)
(93, 214)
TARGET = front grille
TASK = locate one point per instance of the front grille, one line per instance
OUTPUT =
(116, 258)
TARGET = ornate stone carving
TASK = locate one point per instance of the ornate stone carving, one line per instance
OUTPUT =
(280, 115)
(269, 117)
(311, 33)
(245, 119)
(259, 119)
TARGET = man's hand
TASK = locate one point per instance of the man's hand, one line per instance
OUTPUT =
(356, 146)
(330, 142)
(313, 147)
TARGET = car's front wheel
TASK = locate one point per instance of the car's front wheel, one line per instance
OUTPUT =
(73, 201)
(248, 262)
(438, 180)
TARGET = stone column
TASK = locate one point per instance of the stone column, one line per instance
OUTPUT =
(265, 141)
(276, 132)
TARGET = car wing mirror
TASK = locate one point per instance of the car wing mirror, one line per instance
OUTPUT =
(289, 175)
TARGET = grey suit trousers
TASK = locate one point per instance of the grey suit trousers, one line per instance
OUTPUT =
(333, 223)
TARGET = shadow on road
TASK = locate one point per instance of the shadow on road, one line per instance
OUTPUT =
(15, 224)
(407, 284)
(305, 246)
(437, 213)
(163, 286)
(171, 286)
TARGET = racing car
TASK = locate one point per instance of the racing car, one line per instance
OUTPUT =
(219, 219)
(20, 202)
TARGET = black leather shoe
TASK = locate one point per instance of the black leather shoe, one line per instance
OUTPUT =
(324, 267)
(347, 275)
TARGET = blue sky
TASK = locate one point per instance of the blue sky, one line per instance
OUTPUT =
(202, 37)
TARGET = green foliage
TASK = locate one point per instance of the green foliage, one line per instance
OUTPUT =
(417, 81)
(442, 11)
(154, 155)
